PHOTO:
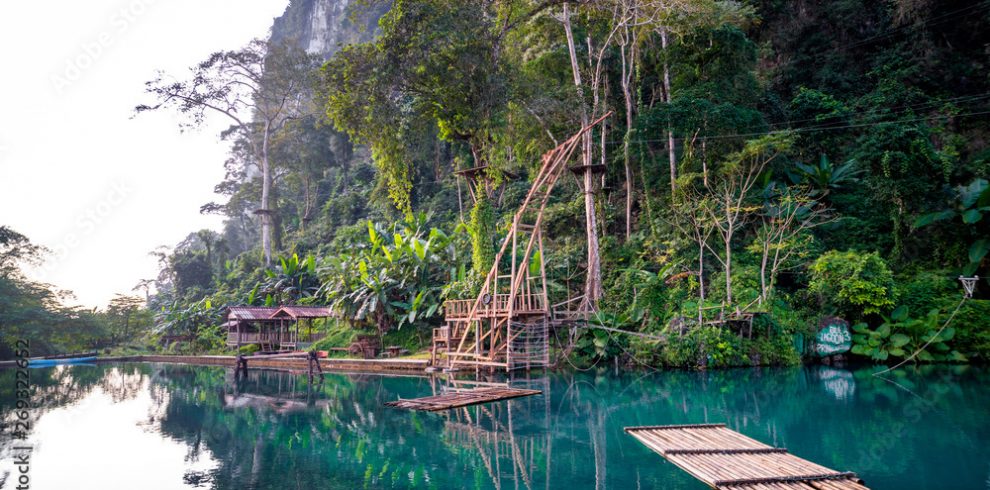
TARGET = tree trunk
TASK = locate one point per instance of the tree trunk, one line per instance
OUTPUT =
(701, 281)
(627, 73)
(593, 282)
(763, 272)
(728, 269)
(266, 185)
(671, 148)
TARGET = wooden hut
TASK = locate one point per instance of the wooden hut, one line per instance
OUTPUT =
(289, 318)
(252, 325)
(273, 328)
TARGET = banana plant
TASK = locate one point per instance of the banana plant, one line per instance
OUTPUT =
(395, 278)
(293, 280)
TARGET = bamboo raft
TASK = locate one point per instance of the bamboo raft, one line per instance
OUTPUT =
(725, 459)
(461, 398)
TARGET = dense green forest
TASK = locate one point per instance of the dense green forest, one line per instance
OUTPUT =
(798, 159)
(35, 311)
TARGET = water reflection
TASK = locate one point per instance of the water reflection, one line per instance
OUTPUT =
(178, 426)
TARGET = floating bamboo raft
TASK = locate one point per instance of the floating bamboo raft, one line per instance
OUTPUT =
(461, 398)
(725, 459)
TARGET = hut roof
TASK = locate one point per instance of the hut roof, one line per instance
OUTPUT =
(297, 312)
(250, 313)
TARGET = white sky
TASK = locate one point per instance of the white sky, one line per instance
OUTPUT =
(76, 173)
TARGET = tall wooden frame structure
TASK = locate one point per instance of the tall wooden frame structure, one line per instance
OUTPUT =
(507, 325)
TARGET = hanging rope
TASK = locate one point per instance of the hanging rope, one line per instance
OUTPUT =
(930, 340)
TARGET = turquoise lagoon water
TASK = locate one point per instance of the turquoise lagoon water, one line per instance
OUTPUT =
(159, 426)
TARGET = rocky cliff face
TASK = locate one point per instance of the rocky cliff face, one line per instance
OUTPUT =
(323, 26)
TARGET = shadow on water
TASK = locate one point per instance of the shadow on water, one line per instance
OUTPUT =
(919, 428)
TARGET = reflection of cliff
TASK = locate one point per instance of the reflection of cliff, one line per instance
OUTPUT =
(322, 26)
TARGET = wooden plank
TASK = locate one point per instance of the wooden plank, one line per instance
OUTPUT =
(725, 459)
(461, 398)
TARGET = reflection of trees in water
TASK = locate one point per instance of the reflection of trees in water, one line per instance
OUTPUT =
(275, 424)
(274, 429)
(62, 386)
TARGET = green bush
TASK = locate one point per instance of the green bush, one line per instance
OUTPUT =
(467, 288)
(249, 349)
(707, 346)
(972, 334)
(776, 350)
(899, 336)
(854, 284)
(926, 290)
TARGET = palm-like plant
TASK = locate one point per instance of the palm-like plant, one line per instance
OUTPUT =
(395, 277)
(292, 280)
(825, 177)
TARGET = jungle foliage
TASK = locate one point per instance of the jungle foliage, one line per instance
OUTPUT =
(792, 159)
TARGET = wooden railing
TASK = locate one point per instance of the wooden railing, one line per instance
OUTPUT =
(499, 305)
(273, 337)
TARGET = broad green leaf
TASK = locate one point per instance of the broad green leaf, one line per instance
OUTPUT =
(883, 330)
(900, 313)
(925, 356)
(534, 264)
(972, 193)
(930, 218)
(956, 356)
(947, 334)
(372, 234)
(979, 249)
(972, 216)
(899, 340)
(897, 352)
(970, 268)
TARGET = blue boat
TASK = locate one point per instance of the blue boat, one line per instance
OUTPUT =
(58, 362)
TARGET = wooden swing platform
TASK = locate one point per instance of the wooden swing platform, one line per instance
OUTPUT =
(461, 398)
(725, 459)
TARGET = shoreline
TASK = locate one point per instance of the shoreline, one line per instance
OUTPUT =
(393, 366)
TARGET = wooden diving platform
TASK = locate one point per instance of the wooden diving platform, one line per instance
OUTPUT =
(461, 398)
(727, 460)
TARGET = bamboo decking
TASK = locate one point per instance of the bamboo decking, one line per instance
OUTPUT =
(725, 459)
(461, 398)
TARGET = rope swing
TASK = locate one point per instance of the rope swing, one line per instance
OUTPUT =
(969, 285)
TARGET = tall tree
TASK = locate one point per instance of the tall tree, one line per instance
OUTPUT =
(259, 88)
(593, 278)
